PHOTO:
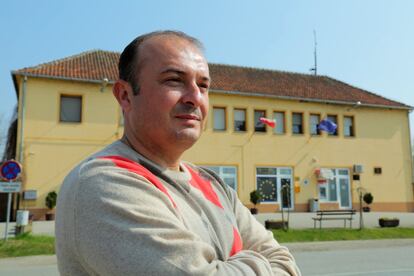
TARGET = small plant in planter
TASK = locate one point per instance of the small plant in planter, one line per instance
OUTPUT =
(276, 224)
(389, 222)
(254, 199)
(50, 201)
(368, 199)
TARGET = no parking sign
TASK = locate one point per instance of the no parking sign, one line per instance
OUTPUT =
(10, 170)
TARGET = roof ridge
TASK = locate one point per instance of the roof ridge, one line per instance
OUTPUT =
(265, 69)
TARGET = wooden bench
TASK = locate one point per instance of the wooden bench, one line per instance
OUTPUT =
(334, 215)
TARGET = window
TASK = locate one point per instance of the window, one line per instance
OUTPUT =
(349, 126)
(219, 114)
(297, 125)
(314, 120)
(333, 119)
(337, 189)
(70, 109)
(267, 184)
(274, 184)
(280, 122)
(259, 126)
(239, 120)
(227, 173)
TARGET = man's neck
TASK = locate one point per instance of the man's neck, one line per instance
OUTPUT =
(169, 161)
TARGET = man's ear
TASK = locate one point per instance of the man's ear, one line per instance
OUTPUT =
(122, 91)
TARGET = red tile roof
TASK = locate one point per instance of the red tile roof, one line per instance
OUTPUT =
(96, 65)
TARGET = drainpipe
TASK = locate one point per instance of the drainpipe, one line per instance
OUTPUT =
(23, 113)
(411, 151)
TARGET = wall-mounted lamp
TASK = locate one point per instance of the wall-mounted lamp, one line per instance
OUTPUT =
(355, 105)
(104, 83)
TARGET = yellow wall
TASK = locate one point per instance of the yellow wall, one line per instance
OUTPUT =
(381, 140)
(52, 148)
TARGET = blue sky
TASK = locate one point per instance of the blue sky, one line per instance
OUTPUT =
(368, 44)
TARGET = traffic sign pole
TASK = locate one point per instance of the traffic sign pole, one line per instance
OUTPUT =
(8, 216)
(9, 170)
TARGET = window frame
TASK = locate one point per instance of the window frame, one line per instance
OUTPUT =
(318, 132)
(254, 120)
(336, 134)
(284, 122)
(337, 186)
(79, 96)
(225, 118)
(292, 123)
(221, 174)
(278, 176)
(245, 119)
(353, 126)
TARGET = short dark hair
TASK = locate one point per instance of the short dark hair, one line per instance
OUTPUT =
(128, 62)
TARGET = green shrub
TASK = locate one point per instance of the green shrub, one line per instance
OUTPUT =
(368, 198)
(51, 200)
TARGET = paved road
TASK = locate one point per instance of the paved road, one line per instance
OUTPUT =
(343, 258)
(366, 258)
(29, 266)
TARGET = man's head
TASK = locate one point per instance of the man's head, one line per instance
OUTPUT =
(129, 61)
(166, 114)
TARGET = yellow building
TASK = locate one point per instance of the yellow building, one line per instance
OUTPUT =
(66, 112)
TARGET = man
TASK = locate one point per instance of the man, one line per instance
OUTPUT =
(135, 208)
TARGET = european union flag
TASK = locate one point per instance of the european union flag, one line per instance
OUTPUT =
(328, 126)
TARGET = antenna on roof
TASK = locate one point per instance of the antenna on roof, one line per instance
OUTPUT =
(315, 68)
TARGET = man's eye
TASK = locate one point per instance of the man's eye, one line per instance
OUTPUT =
(203, 85)
(173, 80)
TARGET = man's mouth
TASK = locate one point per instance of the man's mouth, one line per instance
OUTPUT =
(188, 117)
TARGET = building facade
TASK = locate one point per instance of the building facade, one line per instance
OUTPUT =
(66, 112)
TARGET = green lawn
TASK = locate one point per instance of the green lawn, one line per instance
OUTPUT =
(27, 245)
(333, 234)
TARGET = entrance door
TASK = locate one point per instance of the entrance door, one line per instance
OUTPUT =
(344, 194)
(286, 193)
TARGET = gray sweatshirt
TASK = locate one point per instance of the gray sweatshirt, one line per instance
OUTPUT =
(119, 213)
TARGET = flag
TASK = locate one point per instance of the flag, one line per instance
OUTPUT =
(328, 126)
(269, 122)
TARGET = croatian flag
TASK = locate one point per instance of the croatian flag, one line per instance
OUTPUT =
(269, 122)
(328, 126)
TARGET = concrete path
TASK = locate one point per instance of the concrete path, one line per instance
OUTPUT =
(296, 221)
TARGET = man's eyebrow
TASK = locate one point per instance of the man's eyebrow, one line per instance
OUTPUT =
(181, 72)
(173, 70)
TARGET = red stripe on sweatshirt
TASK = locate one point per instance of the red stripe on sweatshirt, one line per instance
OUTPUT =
(205, 187)
(237, 242)
(134, 167)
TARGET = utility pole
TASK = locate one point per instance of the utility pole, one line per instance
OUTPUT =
(360, 191)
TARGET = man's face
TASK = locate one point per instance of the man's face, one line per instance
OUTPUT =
(172, 105)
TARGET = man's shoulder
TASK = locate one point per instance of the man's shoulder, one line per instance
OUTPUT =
(96, 161)
(207, 173)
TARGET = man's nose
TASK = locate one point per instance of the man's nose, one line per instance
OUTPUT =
(193, 95)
